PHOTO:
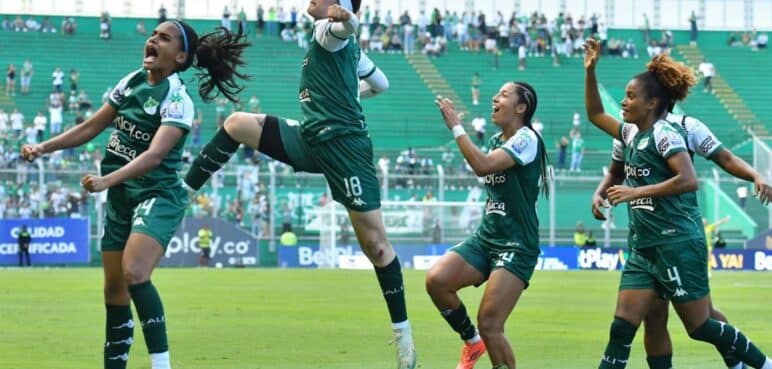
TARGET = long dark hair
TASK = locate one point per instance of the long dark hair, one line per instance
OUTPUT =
(527, 95)
(219, 53)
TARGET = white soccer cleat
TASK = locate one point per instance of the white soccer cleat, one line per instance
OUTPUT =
(406, 355)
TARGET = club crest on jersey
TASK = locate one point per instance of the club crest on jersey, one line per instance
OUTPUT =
(305, 95)
(643, 143)
(150, 106)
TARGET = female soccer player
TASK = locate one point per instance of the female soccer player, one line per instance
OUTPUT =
(702, 141)
(333, 140)
(505, 248)
(668, 257)
(152, 113)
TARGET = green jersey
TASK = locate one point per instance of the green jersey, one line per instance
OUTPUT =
(510, 219)
(142, 109)
(656, 221)
(329, 87)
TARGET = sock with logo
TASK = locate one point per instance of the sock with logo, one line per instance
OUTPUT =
(390, 280)
(212, 157)
(620, 341)
(660, 362)
(729, 340)
(460, 322)
(119, 335)
(151, 316)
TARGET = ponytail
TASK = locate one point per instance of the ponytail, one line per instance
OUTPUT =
(219, 53)
(527, 94)
(667, 80)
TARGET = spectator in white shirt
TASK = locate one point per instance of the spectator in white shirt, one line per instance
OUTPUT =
(40, 123)
(17, 122)
(479, 127)
(742, 195)
(762, 40)
(708, 70)
(4, 118)
(537, 125)
(58, 79)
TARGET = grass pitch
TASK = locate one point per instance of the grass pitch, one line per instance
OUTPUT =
(277, 319)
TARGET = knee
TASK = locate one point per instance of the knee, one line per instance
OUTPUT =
(489, 326)
(134, 275)
(238, 121)
(436, 282)
(375, 247)
(656, 324)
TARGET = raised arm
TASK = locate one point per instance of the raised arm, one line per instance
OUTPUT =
(75, 136)
(333, 33)
(483, 164)
(592, 100)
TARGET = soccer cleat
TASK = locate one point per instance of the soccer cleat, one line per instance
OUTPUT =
(406, 355)
(470, 353)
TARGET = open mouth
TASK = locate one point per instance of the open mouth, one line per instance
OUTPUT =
(151, 54)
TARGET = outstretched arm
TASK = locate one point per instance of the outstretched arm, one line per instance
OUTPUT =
(740, 169)
(592, 100)
(74, 136)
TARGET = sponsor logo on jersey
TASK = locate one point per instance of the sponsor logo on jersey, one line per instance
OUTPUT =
(496, 207)
(643, 143)
(176, 108)
(520, 143)
(645, 203)
(131, 129)
(707, 144)
(495, 179)
(115, 147)
(635, 172)
(151, 106)
(671, 139)
(305, 95)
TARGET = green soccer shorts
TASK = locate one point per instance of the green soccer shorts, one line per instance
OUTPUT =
(677, 271)
(345, 161)
(154, 212)
(519, 262)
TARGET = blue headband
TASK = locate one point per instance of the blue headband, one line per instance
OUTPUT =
(184, 35)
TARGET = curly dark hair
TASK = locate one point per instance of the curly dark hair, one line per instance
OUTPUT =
(667, 80)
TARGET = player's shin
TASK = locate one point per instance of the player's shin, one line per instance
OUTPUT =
(119, 335)
(212, 157)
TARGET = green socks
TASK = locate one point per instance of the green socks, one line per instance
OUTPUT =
(119, 335)
(460, 322)
(620, 341)
(390, 280)
(660, 362)
(151, 315)
(212, 157)
(729, 341)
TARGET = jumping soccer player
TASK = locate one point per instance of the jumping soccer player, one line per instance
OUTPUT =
(668, 256)
(505, 248)
(152, 113)
(332, 139)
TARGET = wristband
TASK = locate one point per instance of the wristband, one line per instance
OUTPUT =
(458, 131)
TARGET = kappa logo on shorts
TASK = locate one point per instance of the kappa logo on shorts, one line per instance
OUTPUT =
(139, 222)
(358, 202)
(680, 292)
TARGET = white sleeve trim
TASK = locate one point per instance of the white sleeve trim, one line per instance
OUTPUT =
(618, 151)
(700, 139)
(334, 36)
(667, 139)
